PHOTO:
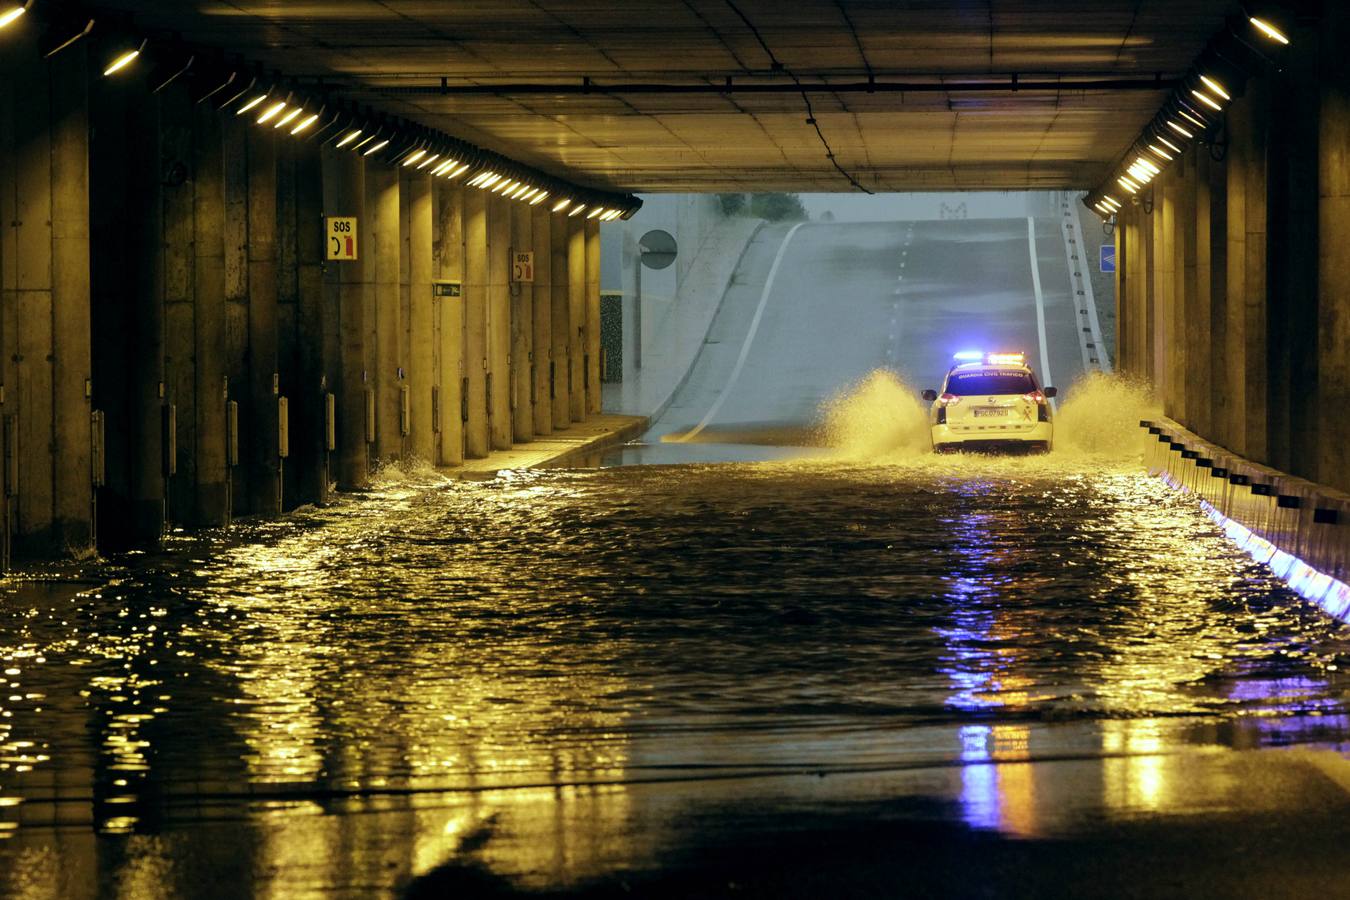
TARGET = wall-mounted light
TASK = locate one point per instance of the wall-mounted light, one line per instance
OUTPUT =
(307, 122)
(10, 12)
(351, 135)
(540, 198)
(1268, 30)
(562, 204)
(123, 56)
(273, 109)
(256, 97)
(377, 146)
(63, 31)
(1215, 87)
(170, 65)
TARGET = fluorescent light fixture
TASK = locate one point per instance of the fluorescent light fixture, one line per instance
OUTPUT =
(376, 148)
(562, 204)
(520, 191)
(1178, 129)
(458, 172)
(9, 15)
(1153, 148)
(579, 208)
(348, 138)
(1128, 184)
(539, 199)
(1111, 201)
(1166, 143)
(271, 112)
(253, 102)
(504, 185)
(124, 59)
(428, 161)
(1206, 99)
(596, 212)
(414, 157)
(529, 194)
(1215, 86)
(1193, 119)
(488, 182)
(1147, 163)
(305, 123)
(289, 117)
(443, 167)
(1268, 30)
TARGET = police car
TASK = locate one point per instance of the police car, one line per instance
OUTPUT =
(991, 401)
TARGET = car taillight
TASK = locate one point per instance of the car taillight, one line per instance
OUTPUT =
(1034, 397)
(949, 400)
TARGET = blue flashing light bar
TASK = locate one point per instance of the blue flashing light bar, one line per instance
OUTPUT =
(968, 356)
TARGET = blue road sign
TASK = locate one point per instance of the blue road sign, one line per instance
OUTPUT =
(1108, 259)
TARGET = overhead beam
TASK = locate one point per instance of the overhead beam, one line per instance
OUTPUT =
(1012, 84)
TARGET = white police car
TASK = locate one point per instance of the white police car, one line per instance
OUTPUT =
(991, 401)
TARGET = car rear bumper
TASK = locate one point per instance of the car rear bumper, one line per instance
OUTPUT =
(946, 437)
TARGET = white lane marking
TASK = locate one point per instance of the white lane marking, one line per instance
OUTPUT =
(1331, 764)
(1076, 232)
(749, 338)
(1040, 306)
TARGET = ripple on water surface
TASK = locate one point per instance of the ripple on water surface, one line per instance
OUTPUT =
(606, 625)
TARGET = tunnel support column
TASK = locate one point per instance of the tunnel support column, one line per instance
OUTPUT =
(522, 333)
(542, 318)
(421, 326)
(264, 387)
(382, 203)
(560, 367)
(594, 388)
(499, 321)
(45, 304)
(344, 195)
(1333, 288)
(576, 309)
(476, 440)
(449, 313)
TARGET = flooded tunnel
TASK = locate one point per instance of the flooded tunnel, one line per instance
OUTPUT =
(578, 528)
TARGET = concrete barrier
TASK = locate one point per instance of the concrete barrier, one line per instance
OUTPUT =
(1299, 528)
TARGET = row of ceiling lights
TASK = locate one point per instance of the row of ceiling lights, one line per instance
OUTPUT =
(1193, 109)
(274, 106)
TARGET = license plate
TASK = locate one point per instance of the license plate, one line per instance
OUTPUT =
(982, 411)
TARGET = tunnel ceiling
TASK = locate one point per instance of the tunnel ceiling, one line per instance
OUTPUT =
(393, 54)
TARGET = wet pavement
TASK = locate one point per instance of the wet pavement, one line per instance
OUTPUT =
(693, 680)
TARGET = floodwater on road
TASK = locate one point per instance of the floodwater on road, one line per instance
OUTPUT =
(783, 674)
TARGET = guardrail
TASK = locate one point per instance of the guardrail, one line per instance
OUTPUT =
(1299, 528)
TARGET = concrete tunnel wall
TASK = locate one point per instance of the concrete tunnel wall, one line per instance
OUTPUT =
(162, 276)
(1233, 271)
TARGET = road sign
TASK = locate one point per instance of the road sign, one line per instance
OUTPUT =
(340, 236)
(446, 289)
(522, 266)
(1108, 259)
(657, 249)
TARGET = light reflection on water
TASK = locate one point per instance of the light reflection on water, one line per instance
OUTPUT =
(498, 669)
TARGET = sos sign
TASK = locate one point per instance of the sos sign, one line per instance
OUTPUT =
(340, 236)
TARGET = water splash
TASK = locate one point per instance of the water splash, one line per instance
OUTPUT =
(880, 419)
(879, 415)
(1101, 416)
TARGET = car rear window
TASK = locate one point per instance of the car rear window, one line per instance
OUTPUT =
(965, 384)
